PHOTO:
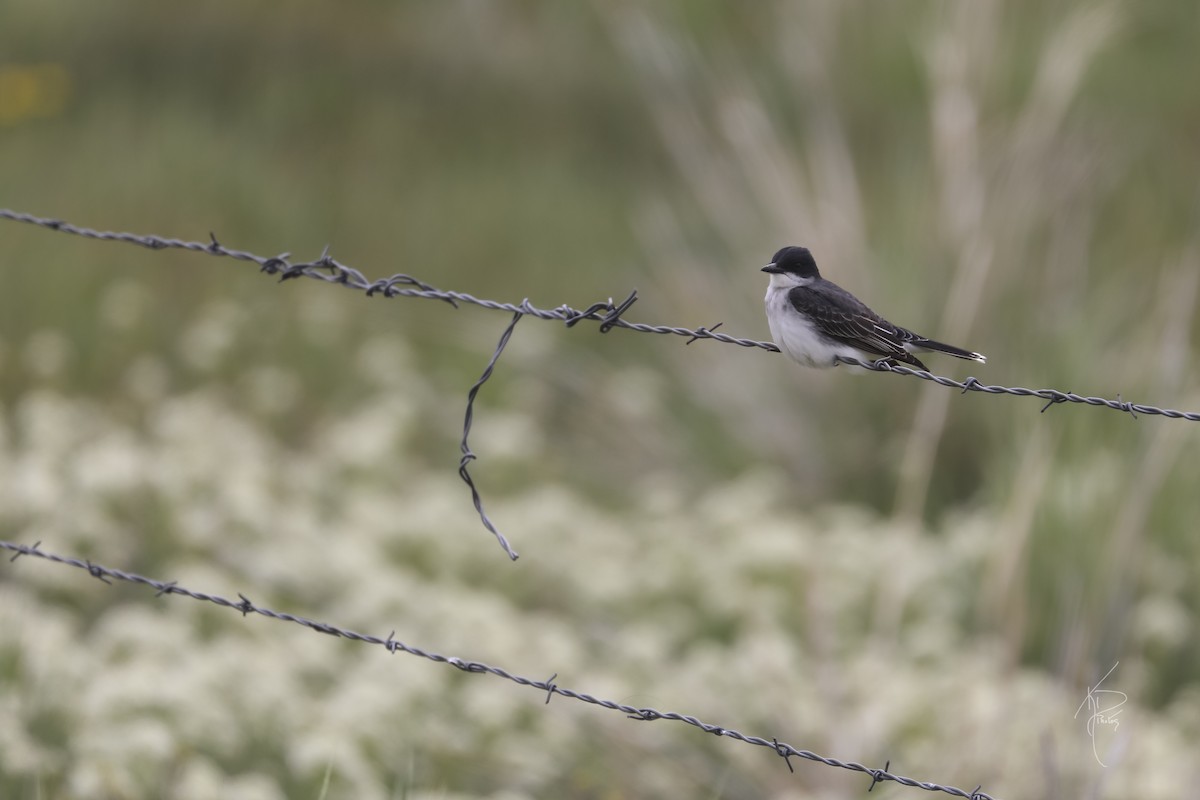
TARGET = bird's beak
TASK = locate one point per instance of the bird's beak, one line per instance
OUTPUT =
(771, 268)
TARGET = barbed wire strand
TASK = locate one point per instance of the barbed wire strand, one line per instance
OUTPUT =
(608, 314)
(394, 645)
(467, 455)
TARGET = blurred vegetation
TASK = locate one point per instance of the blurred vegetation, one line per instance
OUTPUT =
(1020, 178)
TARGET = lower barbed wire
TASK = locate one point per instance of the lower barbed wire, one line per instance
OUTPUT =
(392, 645)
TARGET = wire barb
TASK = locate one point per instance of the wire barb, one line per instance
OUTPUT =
(644, 714)
(879, 775)
(703, 333)
(785, 753)
(245, 606)
(98, 573)
(32, 550)
(1055, 399)
(614, 315)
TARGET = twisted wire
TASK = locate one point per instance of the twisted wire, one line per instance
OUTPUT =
(467, 454)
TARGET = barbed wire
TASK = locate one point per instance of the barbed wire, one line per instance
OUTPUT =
(608, 313)
(394, 645)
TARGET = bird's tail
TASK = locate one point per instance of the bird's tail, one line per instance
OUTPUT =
(950, 350)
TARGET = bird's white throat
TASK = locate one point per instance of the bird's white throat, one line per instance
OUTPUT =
(786, 280)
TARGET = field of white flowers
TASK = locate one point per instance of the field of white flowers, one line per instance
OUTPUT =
(832, 629)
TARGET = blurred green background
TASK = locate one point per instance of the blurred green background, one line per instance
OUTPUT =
(870, 567)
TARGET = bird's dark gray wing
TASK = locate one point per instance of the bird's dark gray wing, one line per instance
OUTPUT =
(843, 317)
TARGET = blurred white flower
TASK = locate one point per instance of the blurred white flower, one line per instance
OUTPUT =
(123, 305)
(47, 353)
(211, 335)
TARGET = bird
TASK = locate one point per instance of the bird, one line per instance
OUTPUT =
(814, 321)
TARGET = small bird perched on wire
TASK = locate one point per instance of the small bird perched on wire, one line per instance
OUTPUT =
(814, 321)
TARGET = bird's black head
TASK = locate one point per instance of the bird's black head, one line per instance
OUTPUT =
(793, 261)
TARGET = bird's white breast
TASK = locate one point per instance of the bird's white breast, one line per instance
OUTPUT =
(795, 336)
